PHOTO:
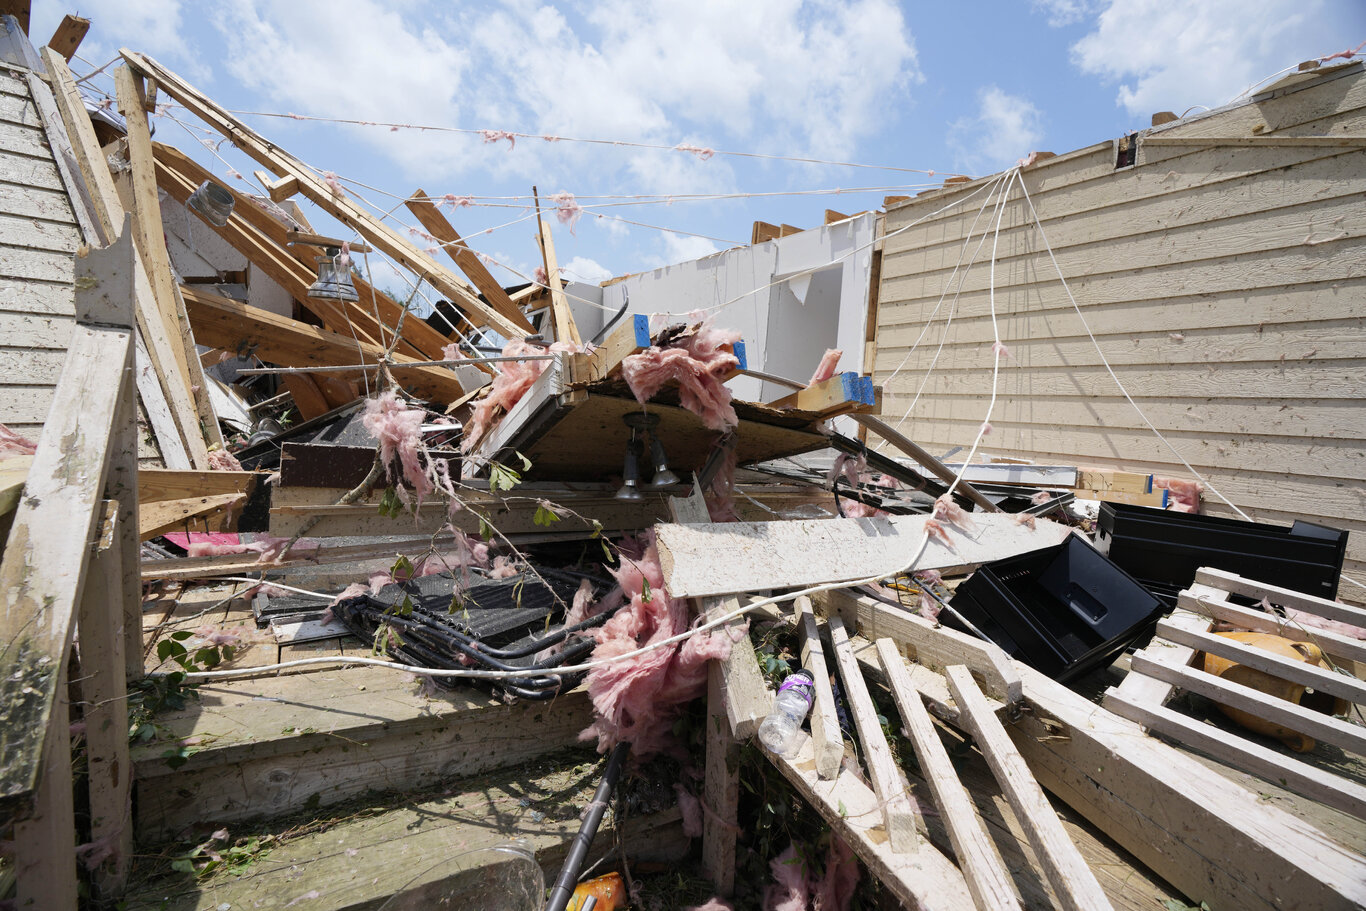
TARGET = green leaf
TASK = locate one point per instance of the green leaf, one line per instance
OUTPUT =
(485, 529)
(645, 591)
(544, 517)
(181, 635)
(526, 463)
(183, 865)
(390, 506)
(402, 568)
(503, 478)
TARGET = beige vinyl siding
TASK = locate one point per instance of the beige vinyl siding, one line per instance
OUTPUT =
(1226, 285)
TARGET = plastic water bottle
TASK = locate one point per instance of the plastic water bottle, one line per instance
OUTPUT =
(779, 730)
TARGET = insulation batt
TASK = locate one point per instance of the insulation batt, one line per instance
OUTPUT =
(797, 888)
(946, 510)
(826, 368)
(698, 363)
(12, 444)
(267, 546)
(220, 460)
(507, 388)
(399, 431)
(637, 699)
(1185, 494)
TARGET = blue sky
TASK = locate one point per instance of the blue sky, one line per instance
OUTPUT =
(949, 87)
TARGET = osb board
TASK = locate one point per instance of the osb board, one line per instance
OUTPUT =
(589, 441)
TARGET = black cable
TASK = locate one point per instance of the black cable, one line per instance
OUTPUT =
(578, 848)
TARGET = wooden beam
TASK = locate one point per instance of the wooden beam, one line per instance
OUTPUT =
(729, 557)
(1337, 792)
(925, 880)
(1209, 608)
(1072, 880)
(294, 236)
(1324, 681)
(720, 789)
(172, 515)
(843, 392)
(19, 9)
(935, 647)
(89, 156)
(148, 232)
(1235, 584)
(1337, 141)
(469, 262)
(1350, 737)
(987, 878)
(156, 484)
(899, 815)
(224, 323)
(312, 185)
(561, 315)
(44, 863)
(632, 336)
(42, 579)
(69, 35)
(103, 689)
(278, 189)
(828, 742)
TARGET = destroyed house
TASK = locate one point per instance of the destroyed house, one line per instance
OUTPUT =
(311, 602)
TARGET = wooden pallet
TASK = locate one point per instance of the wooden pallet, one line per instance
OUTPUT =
(1165, 667)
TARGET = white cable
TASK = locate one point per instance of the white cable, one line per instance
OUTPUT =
(1104, 360)
(470, 673)
(291, 588)
(996, 337)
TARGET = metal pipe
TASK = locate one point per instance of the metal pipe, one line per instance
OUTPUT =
(578, 849)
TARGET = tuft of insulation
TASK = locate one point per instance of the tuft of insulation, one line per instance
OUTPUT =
(1185, 495)
(398, 428)
(507, 388)
(698, 362)
(636, 700)
(826, 368)
(222, 460)
(12, 444)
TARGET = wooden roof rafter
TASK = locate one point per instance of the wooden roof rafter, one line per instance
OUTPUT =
(315, 188)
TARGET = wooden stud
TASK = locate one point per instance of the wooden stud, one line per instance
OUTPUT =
(170, 515)
(469, 262)
(224, 323)
(562, 316)
(313, 186)
(1337, 792)
(1347, 736)
(720, 789)
(842, 392)
(828, 742)
(295, 236)
(1214, 607)
(44, 862)
(69, 35)
(1072, 880)
(632, 336)
(935, 647)
(1147, 690)
(1234, 584)
(1324, 681)
(148, 232)
(987, 878)
(898, 813)
(103, 687)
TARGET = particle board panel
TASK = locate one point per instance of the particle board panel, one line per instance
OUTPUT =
(589, 441)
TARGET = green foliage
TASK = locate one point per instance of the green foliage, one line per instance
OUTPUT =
(645, 590)
(210, 856)
(503, 477)
(544, 516)
(390, 506)
(402, 568)
(203, 658)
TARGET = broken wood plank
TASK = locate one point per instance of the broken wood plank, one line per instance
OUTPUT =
(165, 484)
(1347, 736)
(277, 189)
(42, 581)
(1211, 606)
(438, 226)
(720, 789)
(332, 201)
(1324, 681)
(925, 879)
(225, 323)
(898, 813)
(843, 391)
(1147, 690)
(1295, 774)
(747, 697)
(785, 554)
(1209, 835)
(1072, 880)
(1235, 584)
(908, 447)
(104, 688)
(295, 236)
(630, 337)
(70, 33)
(986, 875)
(828, 742)
(44, 865)
(935, 647)
(184, 569)
(162, 516)
(150, 236)
(561, 316)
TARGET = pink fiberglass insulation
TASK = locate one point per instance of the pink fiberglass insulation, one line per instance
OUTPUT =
(507, 388)
(720, 493)
(690, 811)
(946, 510)
(1304, 618)
(713, 904)
(834, 890)
(399, 431)
(637, 699)
(504, 568)
(791, 887)
(698, 362)
(267, 546)
(826, 368)
(220, 460)
(1185, 495)
(12, 444)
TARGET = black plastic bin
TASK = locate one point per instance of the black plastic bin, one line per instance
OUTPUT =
(1163, 549)
(1063, 610)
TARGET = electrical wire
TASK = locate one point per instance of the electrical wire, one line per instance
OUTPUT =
(474, 674)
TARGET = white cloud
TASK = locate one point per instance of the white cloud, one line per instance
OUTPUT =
(682, 248)
(1169, 57)
(1007, 128)
(583, 269)
(154, 27)
(1062, 12)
